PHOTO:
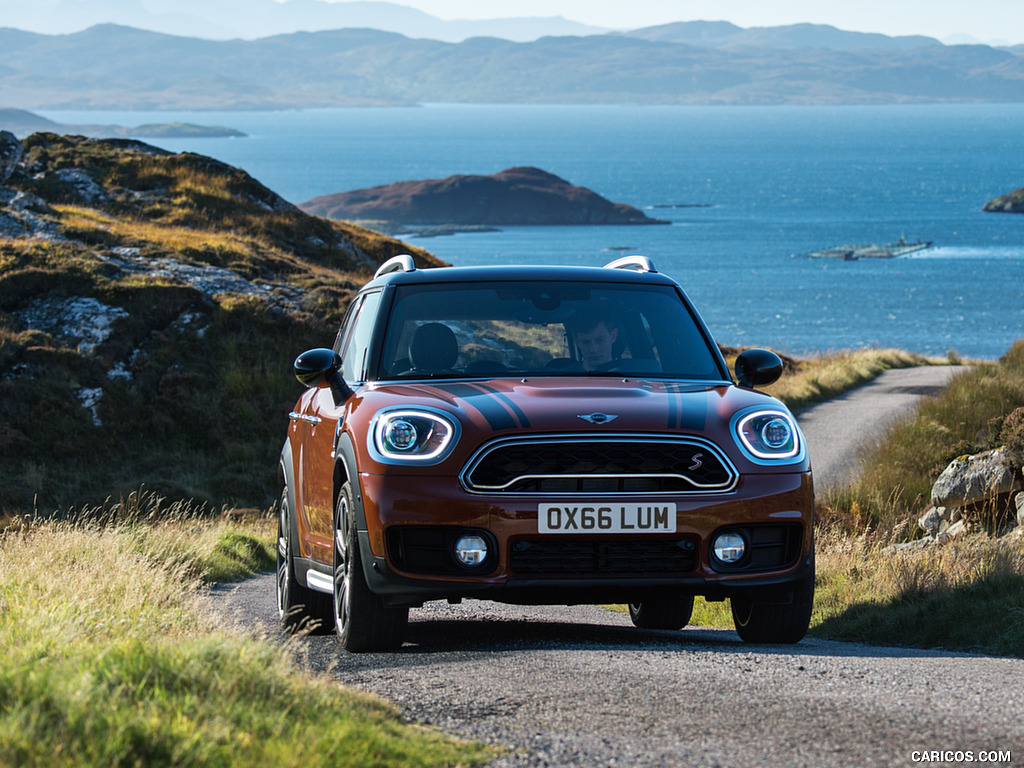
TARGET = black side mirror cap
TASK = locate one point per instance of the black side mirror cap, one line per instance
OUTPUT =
(316, 365)
(758, 368)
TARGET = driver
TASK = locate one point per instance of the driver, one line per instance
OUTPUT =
(595, 335)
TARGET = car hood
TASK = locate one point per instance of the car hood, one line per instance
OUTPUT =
(581, 404)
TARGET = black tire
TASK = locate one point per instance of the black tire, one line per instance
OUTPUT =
(775, 622)
(663, 613)
(362, 620)
(299, 609)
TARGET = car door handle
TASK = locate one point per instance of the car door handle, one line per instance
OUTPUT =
(302, 417)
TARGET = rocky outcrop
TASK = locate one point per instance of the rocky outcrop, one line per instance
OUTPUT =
(514, 197)
(10, 153)
(972, 491)
(974, 479)
(20, 212)
(1011, 203)
(135, 284)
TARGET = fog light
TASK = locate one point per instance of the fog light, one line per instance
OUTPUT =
(729, 548)
(471, 550)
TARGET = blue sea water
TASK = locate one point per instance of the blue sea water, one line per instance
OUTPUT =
(749, 192)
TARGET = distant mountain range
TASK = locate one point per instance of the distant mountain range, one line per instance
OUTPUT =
(251, 19)
(22, 123)
(116, 67)
(722, 34)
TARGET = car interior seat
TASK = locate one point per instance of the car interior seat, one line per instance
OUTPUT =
(433, 348)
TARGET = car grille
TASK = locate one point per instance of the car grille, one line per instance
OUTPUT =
(606, 558)
(575, 464)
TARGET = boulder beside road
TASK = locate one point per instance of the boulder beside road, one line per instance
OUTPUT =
(984, 487)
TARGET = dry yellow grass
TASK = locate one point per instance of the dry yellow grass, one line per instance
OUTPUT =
(170, 236)
(64, 584)
(965, 595)
(110, 658)
(818, 378)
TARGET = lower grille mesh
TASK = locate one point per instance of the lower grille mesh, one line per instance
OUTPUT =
(604, 557)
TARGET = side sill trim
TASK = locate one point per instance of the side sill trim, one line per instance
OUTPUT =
(320, 582)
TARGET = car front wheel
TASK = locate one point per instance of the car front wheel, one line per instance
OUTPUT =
(363, 621)
(775, 622)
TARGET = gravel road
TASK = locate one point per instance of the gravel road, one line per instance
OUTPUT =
(580, 686)
(839, 430)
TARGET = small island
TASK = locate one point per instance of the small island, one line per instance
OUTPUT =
(1011, 203)
(523, 196)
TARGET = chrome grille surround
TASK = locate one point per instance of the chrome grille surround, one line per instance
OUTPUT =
(609, 464)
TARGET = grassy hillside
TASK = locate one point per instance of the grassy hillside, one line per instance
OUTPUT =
(150, 307)
(121, 663)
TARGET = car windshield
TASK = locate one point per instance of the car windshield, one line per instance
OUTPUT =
(543, 329)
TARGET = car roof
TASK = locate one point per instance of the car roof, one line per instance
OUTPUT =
(530, 273)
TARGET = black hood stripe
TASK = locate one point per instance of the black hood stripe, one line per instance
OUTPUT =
(498, 418)
(680, 417)
(519, 413)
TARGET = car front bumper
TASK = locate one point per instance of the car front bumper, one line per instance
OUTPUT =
(580, 568)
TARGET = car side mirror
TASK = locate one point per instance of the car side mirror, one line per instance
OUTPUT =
(316, 365)
(758, 368)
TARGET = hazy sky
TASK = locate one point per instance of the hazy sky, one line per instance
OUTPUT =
(985, 20)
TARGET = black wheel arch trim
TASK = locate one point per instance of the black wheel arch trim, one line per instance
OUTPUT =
(286, 467)
(347, 468)
(344, 469)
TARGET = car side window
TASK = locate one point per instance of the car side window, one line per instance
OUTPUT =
(344, 330)
(353, 356)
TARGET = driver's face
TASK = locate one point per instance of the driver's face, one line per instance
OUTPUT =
(596, 345)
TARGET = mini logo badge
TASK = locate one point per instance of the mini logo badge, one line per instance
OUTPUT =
(597, 418)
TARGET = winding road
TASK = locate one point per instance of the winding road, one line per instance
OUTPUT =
(838, 431)
(580, 686)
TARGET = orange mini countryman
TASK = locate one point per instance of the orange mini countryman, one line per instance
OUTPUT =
(539, 435)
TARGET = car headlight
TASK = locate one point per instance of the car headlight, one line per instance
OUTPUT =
(768, 435)
(412, 435)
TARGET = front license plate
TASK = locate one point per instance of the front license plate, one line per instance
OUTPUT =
(606, 518)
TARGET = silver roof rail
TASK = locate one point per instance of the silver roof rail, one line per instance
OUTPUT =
(400, 263)
(639, 263)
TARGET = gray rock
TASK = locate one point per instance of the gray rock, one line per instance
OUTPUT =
(23, 201)
(87, 189)
(958, 529)
(905, 546)
(931, 521)
(83, 323)
(23, 223)
(27, 201)
(12, 226)
(974, 479)
(1019, 501)
(10, 153)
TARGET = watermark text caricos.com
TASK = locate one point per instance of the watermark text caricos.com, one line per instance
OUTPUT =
(960, 756)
